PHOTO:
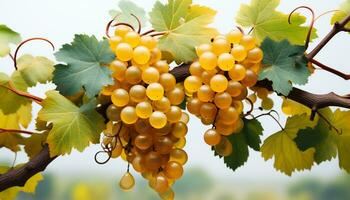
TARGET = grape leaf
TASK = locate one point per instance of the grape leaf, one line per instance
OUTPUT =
(267, 22)
(124, 11)
(7, 36)
(290, 107)
(281, 146)
(326, 141)
(29, 186)
(344, 10)
(85, 59)
(73, 127)
(284, 64)
(34, 144)
(186, 26)
(35, 69)
(14, 121)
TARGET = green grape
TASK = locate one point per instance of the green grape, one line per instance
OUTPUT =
(192, 83)
(205, 94)
(144, 109)
(132, 38)
(267, 103)
(179, 130)
(168, 81)
(203, 48)
(173, 170)
(234, 37)
(124, 51)
(212, 137)
(155, 91)
(120, 97)
(141, 55)
(224, 148)
(223, 100)
(248, 42)
(196, 69)
(194, 105)
(113, 113)
(133, 75)
(239, 53)
(162, 104)
(255, 55)
(174, 114)
(150, 75)
(176, 96)
(226, 62)
(158, 119)
(128, 115)
(218, 83)
(148, 41)
(208, 60)
(234, 88)
(127, 182)
(221, 45)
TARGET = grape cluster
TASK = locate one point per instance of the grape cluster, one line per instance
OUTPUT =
(218, 84)
(146, 126)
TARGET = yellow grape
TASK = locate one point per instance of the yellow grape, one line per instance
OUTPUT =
(224, 148)
(221, 45)
(203, 48)
(237, 73)
(155, 91)
(234, 88)
(242, 96)
(143, 141)
(156, 55)
(148, 41)
(205, 94)
(114, 41)
(252, 97)
(239, 125)
(132, 38)
(168, 81)
(194, 105)
(128, 115)
(167, 195)
(255, 55)
(238, 105)
(113, 113)
(212, 137)
(142, 126)
(133, 75)
(208, 110)
(174, 114)
(163, 145)
(185, 118)
(192, 83)
(225, 129)
(162, 66)
(207, 75)
(267, 103)
(181, 143)
(120, 97)
(179, 156)
(122, 31)
(158, 119)
(208, 60)
(208, 121)
(137, 93)
(223, 100)
(141, 55)
(196, 69)
(239, 53)
(124, 51)
(218, 83)
(127, 182)
(234, 37)
(176, 96)
(248, 42)
(152, 160)
(150, 75)
(262, 93)
(226, 61)
(117, 151)
(179, 130)
(162, 104)
(119, 68)
(250, 78)
(160, 183)
(137, 163)
(144, 109)
(173, 170)
(228, 116)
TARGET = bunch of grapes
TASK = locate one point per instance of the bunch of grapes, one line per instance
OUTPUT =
(218, 84)
(146, 126)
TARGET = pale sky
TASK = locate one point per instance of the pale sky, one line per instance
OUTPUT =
(59, 20)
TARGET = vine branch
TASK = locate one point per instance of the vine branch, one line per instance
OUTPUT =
(3, 130)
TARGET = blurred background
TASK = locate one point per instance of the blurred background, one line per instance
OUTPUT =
(78, 177)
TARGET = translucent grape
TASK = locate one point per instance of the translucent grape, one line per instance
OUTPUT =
(250, 78)
(152, 160)
(234, 88)
(228, 116)
(234, 37)
(179, 156)
(208, 60)
(158, 119)
(194, 105)
(203, 48)
(208, 110)
(127, 182)
(148, 41)
(155, 91)
(117, 151)
(132, 38)
(192, 83)
(133, 75)
(255, 55)
(121, 31)
(143, 141)
(196, 69)
(267, 103)
(114, 41)
(173, 170)
(162, 105)
(162, 66)
(120, 97)
(141, 55)
(224, 148)
(138, 164)
(218, 83)
(212, 137)
(262, 92)
(113, 113)
(185, 118)
(248, 42)
(237, 73)
(226, 61)
(137, 93)
(168, 81)
(252, 97)
(128, 115)
(239, 53)
(220, 46)
(144, 109)
(124, 51)
(181, 143)
(160, 183)
(223, 100)
(179, 129)
(119, 69)
(163, 145)
(176, 96)
(174, 114)
(225, 129)
(205, 94)
(156, 55)
(150, 75)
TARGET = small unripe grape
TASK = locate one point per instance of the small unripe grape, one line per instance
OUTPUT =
(218, 83)
(141, 55)
(155, 91)
(133, 75)
(132, 38)
(128, 115)
(152, 160)
(150, 75)
(122, 30)
(226, 61)
(179, 156)
(143, 141)
(224, 148)
(176, 96)
(252, 97)
(148, 41)
(127, 182)
(162, 66)
(194, 105)
(168, 81)
(120, 97)
(162, 105)
(228, 116)
(179, 129)
(196, 69)
(255, 55)
(248, 42)
(250, 78)
(220, 46)
(237, 73)
(267, 103)
(174, 114)
(239, 53)
(113, 113)
(262, 92)
(234, 88)
(203, 48)
(223, 100)
(158, 119)
(208, 110)
(173, 170)
(234, 37)
(163, 145)
(137, 93)
(124, 52)
(192, 83)
(212, 137)
(208, 60)
(114, 41)
(144, 109)
(119, 68)
(205, 94)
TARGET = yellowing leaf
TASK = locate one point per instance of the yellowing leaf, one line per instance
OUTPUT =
(267, 22)
(34, 144)
(35, 69)
(344, 10)
(290, 107)
(7, 36)
(281, 147)
(186, 27)
(73, 127)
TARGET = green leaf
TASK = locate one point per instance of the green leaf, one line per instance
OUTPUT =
(186, 27)
(267, 22)
(344, 10)
(85, 59)
(124, 11)
(252, 131)
(284, 64)
(73, 127)
(281, 146)
(7, 36)
(29, 186)
(35, 69)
